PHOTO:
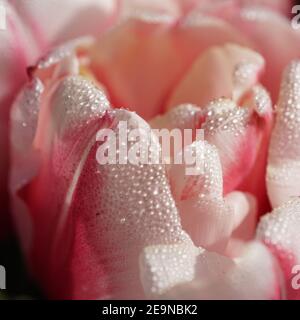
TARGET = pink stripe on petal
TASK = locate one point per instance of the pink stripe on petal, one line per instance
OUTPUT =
(117, 210)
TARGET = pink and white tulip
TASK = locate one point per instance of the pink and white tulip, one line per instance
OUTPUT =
(91, 230)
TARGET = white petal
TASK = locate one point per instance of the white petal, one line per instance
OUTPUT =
(283, 173)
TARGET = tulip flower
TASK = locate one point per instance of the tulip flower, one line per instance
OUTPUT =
(92, 229)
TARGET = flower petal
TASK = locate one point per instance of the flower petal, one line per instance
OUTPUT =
(145, 8)
(197, 189)
(254, 182)
(185, 116)
(137, 49)
(164, 266)
(45, 166)
(253, 275)
(78, 18)
(111, 228)
(18, 48)
(283, 175)
(279, 230)
(204, 179)
(245, 214)
(181, 122)
(237, 132)
(132, 54)
(260, 25)
(24, 118)
(241, 135)
(82, 230)
(235, 68)
(282, 6)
